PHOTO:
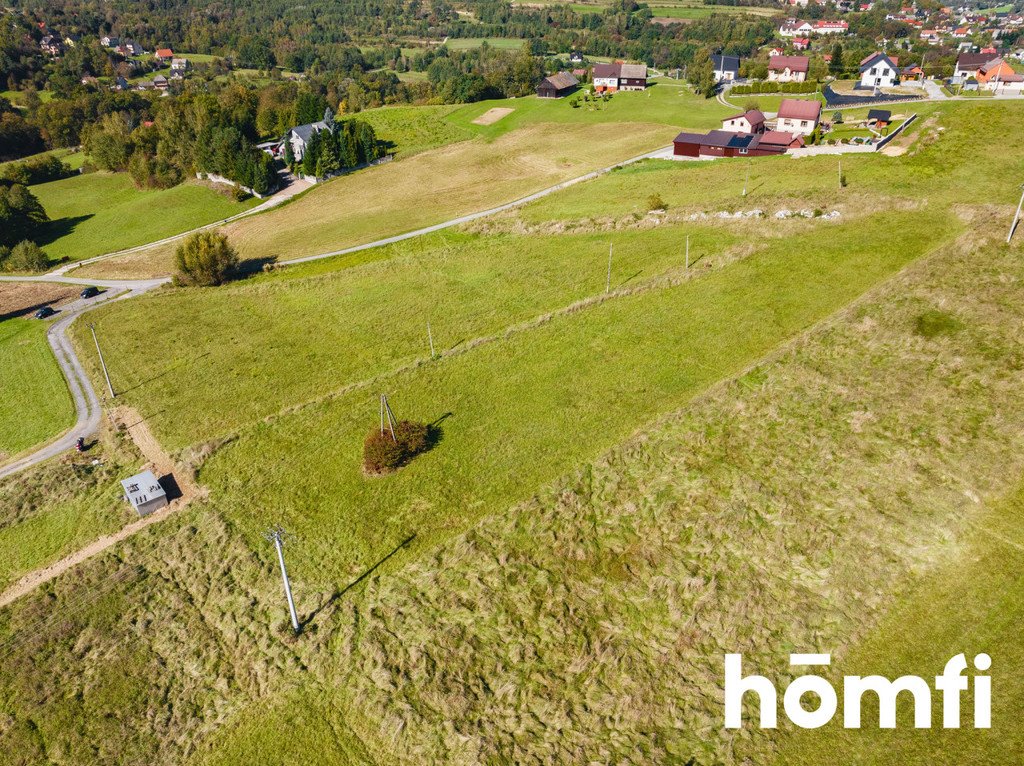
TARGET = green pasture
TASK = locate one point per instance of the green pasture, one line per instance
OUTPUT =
(35, 404)
(99, 213)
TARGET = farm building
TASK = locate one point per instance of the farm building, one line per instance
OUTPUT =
(144, 493)
(633, 77)
(725, 143)
(612, 77)
(557, 85)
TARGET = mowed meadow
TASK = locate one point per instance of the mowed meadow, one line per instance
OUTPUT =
(772, 448)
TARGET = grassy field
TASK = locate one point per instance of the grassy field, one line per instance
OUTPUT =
(540, 143)
(35, 404)
(616, 481)
(468, 43)
(99, 213)
(60, 506)
(73, 159)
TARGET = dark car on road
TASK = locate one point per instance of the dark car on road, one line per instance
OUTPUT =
(90, 292)
(44, 312)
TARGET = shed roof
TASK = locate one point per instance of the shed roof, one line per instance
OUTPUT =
(142, 488)
(561, 81)
(881, 115)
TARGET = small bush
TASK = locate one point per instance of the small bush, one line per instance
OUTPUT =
(655, 202)
(382, 454)
(205, 259)
(933, 323)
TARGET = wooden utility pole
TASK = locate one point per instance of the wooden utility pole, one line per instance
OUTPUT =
(608, 283)
(103, 364)
(1016, 217)
(385, 412)
(687, 252)
(746, 181)
(430, 339)
(840, 172)
(276, 536)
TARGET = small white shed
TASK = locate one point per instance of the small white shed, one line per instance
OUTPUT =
(144, 493)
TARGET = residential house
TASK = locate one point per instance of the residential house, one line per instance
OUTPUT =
(776, 51)
(724, 143)
(968, 64)
(606, 77)
(180, 65)
(999, 76)
(633, 77)
(575, 57)
(799, 116)
(132, 48)
(163, 55)
(160, 82)
(110, 42)
(824, 27)
(71, 39)
(612, 77)
(879, 71)
(931, 36)
(52, 45)
(299, 136)
(727, 68)
(788, 68)
(121, 83)
(795, 28)
(751, 121)
(557, 85)
(801, 43)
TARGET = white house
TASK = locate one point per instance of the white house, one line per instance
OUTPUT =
(824, 27)
(751, 121)
(879, 71)
(798, 116)
(606, 77)
(788, 68)
(727, 68)
(795, 28)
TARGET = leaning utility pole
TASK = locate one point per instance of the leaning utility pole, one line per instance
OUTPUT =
(276, 536)
(1016, 217)
(103, 364)
(385, 412)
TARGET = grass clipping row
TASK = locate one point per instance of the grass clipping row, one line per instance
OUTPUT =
(384, 452)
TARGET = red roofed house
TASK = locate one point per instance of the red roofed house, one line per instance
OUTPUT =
(751, 121)
(998, 75)
(799, 116)
(725, 143)
(801, 43)
(164, 54)
(788, 68)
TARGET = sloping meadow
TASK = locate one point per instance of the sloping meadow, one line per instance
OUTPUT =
(784, 511)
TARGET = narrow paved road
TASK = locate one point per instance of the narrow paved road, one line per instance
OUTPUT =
(87, 404)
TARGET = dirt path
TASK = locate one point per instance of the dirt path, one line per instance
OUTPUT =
(161, 464)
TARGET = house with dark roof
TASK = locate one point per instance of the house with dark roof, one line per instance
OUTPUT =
(798, 115)
(606, 77)
(557, 85)
(968, 64)
(879, 70)
(880, 117)
(612, 77)
(727, 68)
(633, 77)
(751, 121)
(788, 68)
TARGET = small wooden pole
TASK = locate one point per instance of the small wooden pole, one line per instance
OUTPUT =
(430, 338)
(687, 252)
(391, 417)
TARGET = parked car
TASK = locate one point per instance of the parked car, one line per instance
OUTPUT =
(44, 312)
(90, 292)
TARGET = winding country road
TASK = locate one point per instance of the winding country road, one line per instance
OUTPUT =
(87, 402)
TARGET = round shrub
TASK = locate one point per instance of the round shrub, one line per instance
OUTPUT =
(384, 454)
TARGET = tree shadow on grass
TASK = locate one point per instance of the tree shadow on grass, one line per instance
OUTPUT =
(61, 227)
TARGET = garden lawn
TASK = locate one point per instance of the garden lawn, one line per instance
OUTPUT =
(413, 129)
(100, 213)
(35, 404)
